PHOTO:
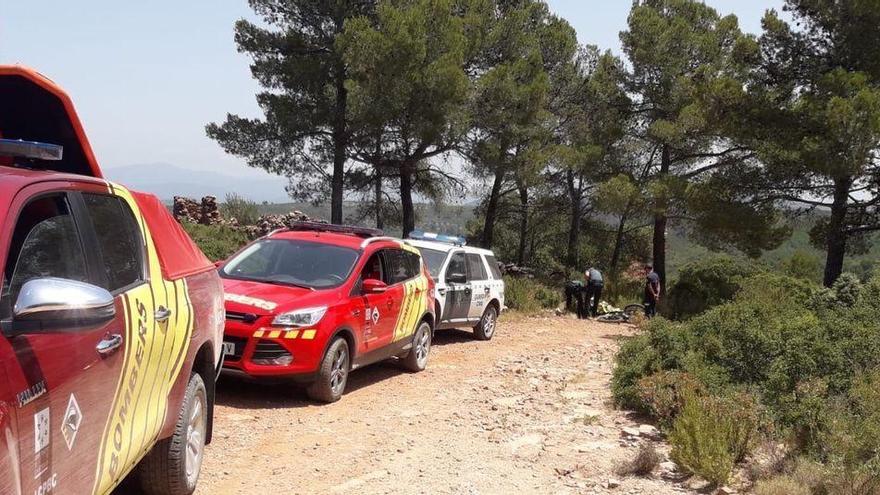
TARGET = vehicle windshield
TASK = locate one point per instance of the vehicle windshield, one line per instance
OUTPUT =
(292, 262)
(433, 260)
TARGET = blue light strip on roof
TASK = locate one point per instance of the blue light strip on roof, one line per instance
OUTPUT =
(431, 236)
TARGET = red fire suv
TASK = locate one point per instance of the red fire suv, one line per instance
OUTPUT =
(110, 317)
(316, 301)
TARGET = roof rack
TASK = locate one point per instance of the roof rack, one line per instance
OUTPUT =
(419, 235)
(364, 232)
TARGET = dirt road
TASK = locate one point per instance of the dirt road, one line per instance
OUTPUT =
(525, 413)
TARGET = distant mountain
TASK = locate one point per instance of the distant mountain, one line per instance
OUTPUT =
(166, 181)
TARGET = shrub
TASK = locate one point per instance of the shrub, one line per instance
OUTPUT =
(853, 441)
(662, 394)
(245, 211)
(528, 295)
(782, 485)
(218, 242)
(712, 434)
(645, 462)
(635, 360)
(707, 283)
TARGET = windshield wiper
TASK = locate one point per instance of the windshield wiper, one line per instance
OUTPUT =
(289, 284)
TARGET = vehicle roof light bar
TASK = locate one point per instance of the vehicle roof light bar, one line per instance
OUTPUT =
(431, 236)
(365, 232)
(31, 149)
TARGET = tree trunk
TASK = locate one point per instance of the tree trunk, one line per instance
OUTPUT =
(618, 244)
(380, 220)
(340, 145)
(492, 209)
(836, 240)
(523, 222)
(574, 232)
(406, 201)
(661, 221)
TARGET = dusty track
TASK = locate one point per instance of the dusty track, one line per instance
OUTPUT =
(525, 413)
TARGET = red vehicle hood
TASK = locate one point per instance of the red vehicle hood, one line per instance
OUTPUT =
(245, 296)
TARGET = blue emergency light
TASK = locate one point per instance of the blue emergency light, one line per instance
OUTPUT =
(31, 149)
(431, 236)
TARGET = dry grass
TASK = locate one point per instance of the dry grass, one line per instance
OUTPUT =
(782, 485)
(644, 463)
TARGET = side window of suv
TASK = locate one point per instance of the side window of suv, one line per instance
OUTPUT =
(476, 269)
(457, 266)
(45, 243)
(493, 267)
(119, 240)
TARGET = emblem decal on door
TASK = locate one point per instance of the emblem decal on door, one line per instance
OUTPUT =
(42, 439)
(375, 315)
(33, 392)
(72, 420)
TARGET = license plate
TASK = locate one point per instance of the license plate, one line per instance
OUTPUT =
(229, 348)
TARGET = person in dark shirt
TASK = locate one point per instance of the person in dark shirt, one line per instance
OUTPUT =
(574, 296)
(652, 291)
(595, 284)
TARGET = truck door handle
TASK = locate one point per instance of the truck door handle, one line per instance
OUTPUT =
(486, 290)
(109, 345)
(356, 312)
(390, 303)
(162, 314)
(442, 292)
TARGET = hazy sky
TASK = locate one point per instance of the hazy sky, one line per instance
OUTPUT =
(147, 76)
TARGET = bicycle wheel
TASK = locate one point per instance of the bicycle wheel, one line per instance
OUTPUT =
(634, 309)
(616, 317)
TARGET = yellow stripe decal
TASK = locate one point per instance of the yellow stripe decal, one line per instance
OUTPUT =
(154, 356)
(309, 334)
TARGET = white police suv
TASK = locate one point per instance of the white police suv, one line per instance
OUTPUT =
(469, 287)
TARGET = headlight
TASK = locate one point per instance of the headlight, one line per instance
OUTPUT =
(300, 318)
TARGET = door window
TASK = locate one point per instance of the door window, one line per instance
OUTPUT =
(119, 241)
(476, 270)
(457, 266)
(45, 243)
(402, 265)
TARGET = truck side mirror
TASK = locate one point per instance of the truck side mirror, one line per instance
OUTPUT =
(374, 286)
(52, 304)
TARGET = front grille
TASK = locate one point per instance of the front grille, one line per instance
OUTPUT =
(242, 317)
(239, 343)
(268, 350)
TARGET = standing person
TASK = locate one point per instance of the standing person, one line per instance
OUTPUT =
(652, 291)
(595, 284)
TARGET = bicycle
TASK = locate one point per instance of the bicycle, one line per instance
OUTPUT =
(622, 316)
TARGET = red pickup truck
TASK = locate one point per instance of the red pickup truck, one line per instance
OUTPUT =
(111, 318)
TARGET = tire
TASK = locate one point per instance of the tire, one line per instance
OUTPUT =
(485, 329)
(417, 359)
(172, 466)
(612, 318)
(634, 309)
(333, 373)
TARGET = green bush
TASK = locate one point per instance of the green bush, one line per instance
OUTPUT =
(245, 211)
(529, 296)
(662, 394)
(218, 242)
(707, 283)
(811, 356)
(712, 434)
